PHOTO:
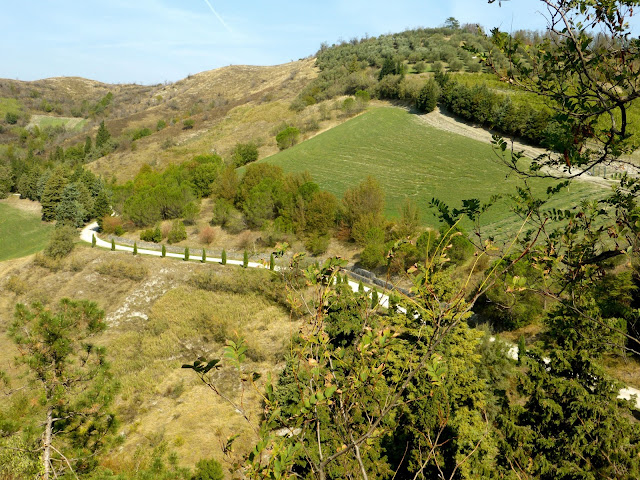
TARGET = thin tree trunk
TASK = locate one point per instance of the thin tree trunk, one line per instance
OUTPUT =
(46, 455)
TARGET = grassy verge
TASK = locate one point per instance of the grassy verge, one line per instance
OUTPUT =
(21, 233)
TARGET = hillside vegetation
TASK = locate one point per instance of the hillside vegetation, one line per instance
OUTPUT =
(412, 160)
(160, 315)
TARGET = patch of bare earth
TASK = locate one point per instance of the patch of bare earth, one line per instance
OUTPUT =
(23, 204)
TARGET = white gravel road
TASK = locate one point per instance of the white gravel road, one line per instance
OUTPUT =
(90, 230)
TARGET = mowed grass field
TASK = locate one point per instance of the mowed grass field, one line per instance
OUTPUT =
(69, 123)
(21, 233)
(413, 160)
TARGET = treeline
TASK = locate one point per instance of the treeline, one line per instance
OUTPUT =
(173, 193)
(379, 64)
(480, 105)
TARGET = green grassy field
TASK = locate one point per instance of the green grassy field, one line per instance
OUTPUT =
(21, 233)
(413, 160)
(9, 105)
(70, 123)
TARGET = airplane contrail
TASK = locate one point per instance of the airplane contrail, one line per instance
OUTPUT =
(218, 16)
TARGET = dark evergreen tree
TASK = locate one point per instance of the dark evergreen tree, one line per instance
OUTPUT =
(69, 210)
(103, 135)
(101, 207)
(52, 194)
(88, 146)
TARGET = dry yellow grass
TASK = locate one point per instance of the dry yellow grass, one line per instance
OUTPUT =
(210, 99)
(158, 323)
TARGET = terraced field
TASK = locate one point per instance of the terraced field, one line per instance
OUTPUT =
(411, 159)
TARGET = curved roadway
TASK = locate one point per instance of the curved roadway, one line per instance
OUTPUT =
(90, 230)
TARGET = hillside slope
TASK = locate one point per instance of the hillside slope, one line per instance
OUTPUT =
(411, 160)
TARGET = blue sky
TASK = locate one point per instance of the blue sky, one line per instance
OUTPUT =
(152, 41)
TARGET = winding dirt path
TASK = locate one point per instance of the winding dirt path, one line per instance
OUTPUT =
(90, 231)
(442, 121)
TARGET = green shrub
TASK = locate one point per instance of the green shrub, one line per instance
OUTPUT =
(373, 255)
(164, 251)
(428, 96)
(152, 235)
(161, 125)
(135, 248)
(188, 124)
(223, 257)
(186, 254)
(177, 233)
(190, 212)
(204, 256)
(11, 118)
(287, 137)
(61, 242)
(208, 470)
(317, 243)
(244, 153)
(113, 245)
(459, 246)
(140, 133)
(245, 259)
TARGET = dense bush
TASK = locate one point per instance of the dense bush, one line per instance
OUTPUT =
(208, 470)
(428, 96)
(244, 153)
(11, 118)
(61, 242)
(152, 235)
(287, 137)
(177, 233)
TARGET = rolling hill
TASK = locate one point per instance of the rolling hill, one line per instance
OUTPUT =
(412, 160)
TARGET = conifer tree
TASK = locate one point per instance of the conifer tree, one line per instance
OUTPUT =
(69, 211)
(223, 257)
(101, 207)
(93, 241)
(113, 245)
(374, 298)
(52, 195)
(164, 251)
(186, 253)
(135, 248)
(204, 256)
(272, 263)
(73, 376)
(245, 259)
(88, 146)
(102, 136)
